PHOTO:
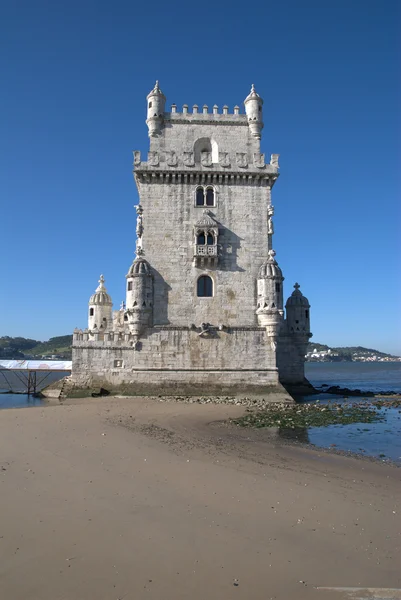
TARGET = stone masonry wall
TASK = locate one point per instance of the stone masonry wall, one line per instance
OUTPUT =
(179, 361)
(169, 216)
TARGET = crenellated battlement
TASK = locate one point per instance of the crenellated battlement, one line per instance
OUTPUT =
(158, 118)
(227, 162)
(202, 113)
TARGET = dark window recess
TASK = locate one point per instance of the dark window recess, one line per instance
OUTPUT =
(205, 286)
(307, 314)
(129, 286)
(277, 287)
(209, 197)
(200, 197)
(91, 312)
(125, 318)
(210, 239)
(150, 105)
(201, 239)
(296, 321)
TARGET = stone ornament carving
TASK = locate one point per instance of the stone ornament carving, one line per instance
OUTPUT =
(153, 159)
(137, 158)
(242, 160)
(259, 160)
(270, 226)
(206, 159)
(139, 230)
(274, 160)
(188, 159)
(224, 159)
(139, 220)
(171, 159)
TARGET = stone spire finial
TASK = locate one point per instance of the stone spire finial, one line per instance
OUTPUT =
(100, 287)
(297, 286)
(272, 254)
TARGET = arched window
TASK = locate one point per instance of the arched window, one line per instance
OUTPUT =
(91, 312)
(200, 197)
(209, 197)
(205, 286)
(201, 239)
(205, 196)
(209, 239)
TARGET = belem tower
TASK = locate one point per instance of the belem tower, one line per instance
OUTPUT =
(204, 310)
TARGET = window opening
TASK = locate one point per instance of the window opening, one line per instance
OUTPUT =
(129, 285)
(209, 197)
(210, 239)
(205, 196)
(150, 105)
(307, 314)
(200, 200)
(91, 312)
(277, 287)
(201, 239)
(205, 286)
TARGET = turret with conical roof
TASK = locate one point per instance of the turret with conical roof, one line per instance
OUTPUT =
(155, 113)
(139, 299)
(100, 308)
(253, 108)
(270, 296)
(297, 313)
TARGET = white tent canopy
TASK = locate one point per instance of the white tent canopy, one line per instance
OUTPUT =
(36, 365)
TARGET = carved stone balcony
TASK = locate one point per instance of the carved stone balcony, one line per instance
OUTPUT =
(205, 255)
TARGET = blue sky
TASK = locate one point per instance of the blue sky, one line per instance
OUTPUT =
(73, 106)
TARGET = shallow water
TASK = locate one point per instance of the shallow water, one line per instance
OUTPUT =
(375, 377)
(9, 379)
(381, 440)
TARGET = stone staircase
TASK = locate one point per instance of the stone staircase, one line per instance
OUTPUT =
(59, 389)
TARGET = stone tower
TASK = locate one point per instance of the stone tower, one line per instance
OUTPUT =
(204, 296)
(100, 308)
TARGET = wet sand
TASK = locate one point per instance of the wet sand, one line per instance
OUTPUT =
(133, 498)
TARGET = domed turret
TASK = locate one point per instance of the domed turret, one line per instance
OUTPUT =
(270, 296)
(297, 312)
(253, 108)
(155, 114)
(100, 308)
(139, 299)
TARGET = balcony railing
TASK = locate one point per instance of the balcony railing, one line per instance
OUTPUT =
(205, 250)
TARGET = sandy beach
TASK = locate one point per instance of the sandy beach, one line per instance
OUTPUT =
(133, 498)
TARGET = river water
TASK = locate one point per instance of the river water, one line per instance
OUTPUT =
(380, 440)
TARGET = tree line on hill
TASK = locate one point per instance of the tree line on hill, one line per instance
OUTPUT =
(20, 348)
(60, 347)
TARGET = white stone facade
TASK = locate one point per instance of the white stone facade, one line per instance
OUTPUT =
(204, 296)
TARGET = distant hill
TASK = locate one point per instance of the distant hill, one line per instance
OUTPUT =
(322, 352)
(19, 347)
